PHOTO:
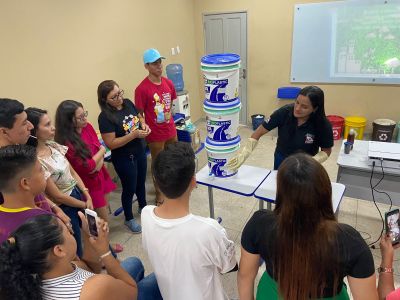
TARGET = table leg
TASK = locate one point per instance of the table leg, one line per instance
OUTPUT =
(260, 204)
(339, 173)
(211, 201)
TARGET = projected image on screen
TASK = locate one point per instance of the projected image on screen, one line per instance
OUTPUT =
(367, 41)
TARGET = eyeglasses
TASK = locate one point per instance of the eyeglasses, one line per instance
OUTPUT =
(119, 94)
(83, 116)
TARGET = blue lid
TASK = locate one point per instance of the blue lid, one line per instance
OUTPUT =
(233, 142)
(227, 105)
(290, 92)
(220, 59)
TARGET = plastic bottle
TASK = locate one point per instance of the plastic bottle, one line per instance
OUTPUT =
(351, 136)
(175, 73)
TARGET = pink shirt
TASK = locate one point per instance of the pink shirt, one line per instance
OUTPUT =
(395, 295)
(99, 183)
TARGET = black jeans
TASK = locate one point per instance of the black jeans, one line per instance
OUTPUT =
(131, 170)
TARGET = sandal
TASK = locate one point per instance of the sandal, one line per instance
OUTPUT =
(117, 248)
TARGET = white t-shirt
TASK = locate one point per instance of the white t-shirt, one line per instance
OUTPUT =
(188, 254)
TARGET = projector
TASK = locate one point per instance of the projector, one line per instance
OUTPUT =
(385, 154)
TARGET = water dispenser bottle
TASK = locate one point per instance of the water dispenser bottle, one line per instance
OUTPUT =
(174, 73)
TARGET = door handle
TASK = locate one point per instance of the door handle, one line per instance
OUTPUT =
(244, 73)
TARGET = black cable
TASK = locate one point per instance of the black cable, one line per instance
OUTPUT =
(382, 192)
(373, 199)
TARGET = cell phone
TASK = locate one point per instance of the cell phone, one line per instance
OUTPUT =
(392, 225)
(91, 217)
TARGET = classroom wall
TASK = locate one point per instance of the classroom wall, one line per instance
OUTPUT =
(52, 50)
(270, 25)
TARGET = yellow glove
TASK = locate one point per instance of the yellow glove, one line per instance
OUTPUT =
(235, 162)
(321, 156)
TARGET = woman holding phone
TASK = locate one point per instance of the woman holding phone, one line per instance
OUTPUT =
(71, 193)
(307, 253)
(123, 131)
(386, 287)
(38, 256)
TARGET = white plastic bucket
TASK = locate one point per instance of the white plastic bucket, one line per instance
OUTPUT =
(222, 123)
(221, 77)
(218, 154)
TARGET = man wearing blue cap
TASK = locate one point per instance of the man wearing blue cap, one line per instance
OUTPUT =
(154, 97)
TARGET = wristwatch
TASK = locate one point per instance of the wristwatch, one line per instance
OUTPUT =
(385, 270)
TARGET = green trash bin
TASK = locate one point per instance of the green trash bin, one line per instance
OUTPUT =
(398, 132)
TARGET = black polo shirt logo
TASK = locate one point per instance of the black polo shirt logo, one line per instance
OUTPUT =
(309, 138)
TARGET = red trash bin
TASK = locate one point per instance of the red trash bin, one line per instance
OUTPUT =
(337, 123)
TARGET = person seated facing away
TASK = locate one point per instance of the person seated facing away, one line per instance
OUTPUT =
(307, 253)
(21, 179)
(386, 288)
(37, 262)
(186, 251)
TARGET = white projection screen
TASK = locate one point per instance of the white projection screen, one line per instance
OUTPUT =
(347, 42)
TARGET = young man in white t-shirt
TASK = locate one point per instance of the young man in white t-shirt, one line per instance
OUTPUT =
(187, 252)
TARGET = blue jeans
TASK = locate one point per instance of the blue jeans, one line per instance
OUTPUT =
(131, 170)
(147, 286)
(72, 213)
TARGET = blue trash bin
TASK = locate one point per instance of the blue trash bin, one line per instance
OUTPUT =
(257, 120)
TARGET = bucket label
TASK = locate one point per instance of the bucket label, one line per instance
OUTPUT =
(216, 90)
(218, 130)
(216, 166)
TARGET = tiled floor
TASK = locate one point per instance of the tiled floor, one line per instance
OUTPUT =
(235, 210)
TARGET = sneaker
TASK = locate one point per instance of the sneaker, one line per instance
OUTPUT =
(133, 226)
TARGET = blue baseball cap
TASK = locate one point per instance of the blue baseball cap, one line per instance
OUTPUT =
(151, 55)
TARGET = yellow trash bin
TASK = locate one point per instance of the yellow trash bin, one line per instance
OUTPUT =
(357, 124)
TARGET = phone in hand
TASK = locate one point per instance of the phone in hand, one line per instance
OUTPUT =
(91, 217)
(392, 225)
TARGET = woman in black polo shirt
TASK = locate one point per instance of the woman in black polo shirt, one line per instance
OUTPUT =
(123, 131)
(302, 127)
(307, 253)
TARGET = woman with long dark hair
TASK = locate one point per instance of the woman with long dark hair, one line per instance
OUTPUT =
(302, 127)
(85, 153)
(307, 253)
(123, 131)
(37, 262)
(71, 193)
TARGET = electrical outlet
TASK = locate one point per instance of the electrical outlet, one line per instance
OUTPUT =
(173, 51)
(178, 50)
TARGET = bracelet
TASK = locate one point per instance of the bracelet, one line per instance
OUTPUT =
(105, 255)
(385, 270)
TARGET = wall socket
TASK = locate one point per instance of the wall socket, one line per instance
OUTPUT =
(178, 50)
(173, 51)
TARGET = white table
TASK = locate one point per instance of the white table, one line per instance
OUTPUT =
(355, 173)
(244, 183)
(267, 192)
